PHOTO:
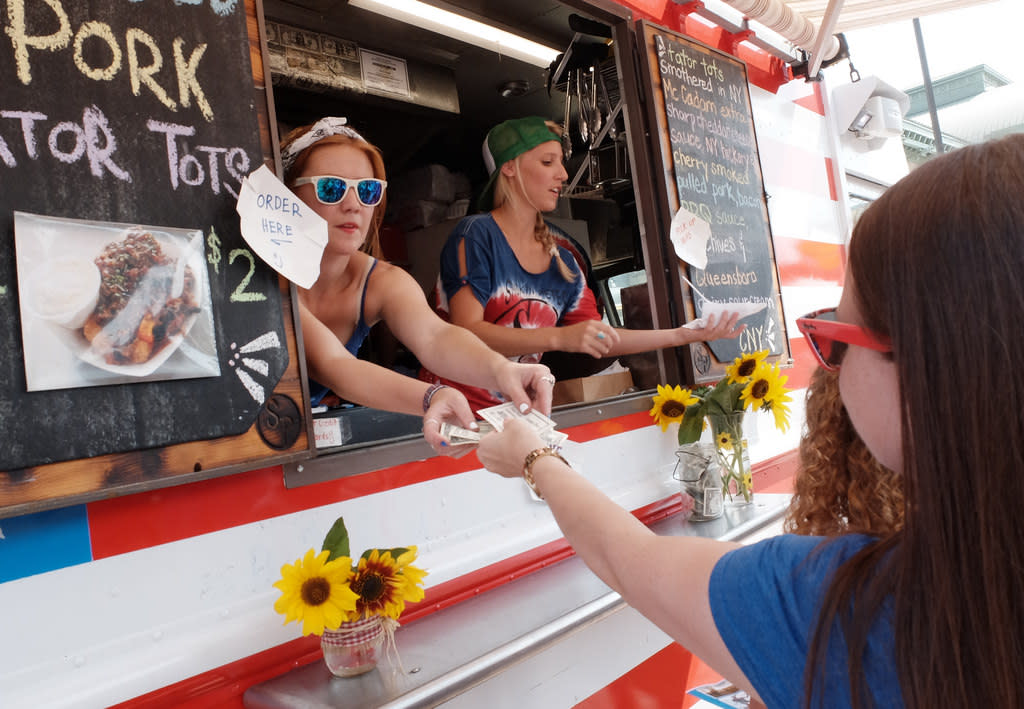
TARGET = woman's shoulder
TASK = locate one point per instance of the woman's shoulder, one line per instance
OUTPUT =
(388, 283)
(477, 233)
(383, 271)
(476, 226)
(815, 555)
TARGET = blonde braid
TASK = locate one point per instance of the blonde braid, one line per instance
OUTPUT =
(543, 234)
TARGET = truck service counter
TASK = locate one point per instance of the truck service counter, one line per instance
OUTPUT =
(455, 650)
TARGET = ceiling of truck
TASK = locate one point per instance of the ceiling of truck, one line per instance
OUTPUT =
(480, 74)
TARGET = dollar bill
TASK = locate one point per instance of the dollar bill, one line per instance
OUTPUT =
(498, 415)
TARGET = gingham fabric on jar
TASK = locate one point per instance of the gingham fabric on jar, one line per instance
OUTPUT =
(356, 632)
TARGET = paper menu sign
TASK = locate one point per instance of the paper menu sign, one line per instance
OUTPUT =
(281, 228)
(690, 235)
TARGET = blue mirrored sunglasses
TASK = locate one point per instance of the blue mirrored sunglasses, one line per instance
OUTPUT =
(331, 189)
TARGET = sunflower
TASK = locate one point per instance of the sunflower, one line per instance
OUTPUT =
(384, 583)
(744, 366)
(748, 480)
(413, 575)
(766, 384)
(777, 404)
(670, 405)
(316, 592)
(724, 440)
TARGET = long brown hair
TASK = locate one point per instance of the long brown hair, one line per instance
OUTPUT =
(840, 487)
(372, 152)
(503, 192)
(937, 265)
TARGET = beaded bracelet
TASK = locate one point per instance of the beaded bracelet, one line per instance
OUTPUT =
(429, 394)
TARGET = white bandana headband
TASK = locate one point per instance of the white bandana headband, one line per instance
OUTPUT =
(323, 128)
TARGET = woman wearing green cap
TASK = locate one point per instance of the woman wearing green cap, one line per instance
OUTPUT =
(517, 281)
(340, 175)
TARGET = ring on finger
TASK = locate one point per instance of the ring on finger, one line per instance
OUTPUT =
(550, 379)
(600, 335)
(433, 420)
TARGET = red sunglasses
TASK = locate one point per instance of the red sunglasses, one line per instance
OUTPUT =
(829, 338)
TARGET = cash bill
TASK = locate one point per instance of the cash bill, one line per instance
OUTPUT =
(497, 415)
(456, 435)
(494, 418)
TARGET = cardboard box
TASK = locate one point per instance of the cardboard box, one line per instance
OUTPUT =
(599, 386)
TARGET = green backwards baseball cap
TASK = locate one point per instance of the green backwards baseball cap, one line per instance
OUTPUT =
(507, 141)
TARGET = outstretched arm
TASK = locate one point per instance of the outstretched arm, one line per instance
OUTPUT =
(372, 385)
(593, 337)
(456, 353)
(633, 341)
(665, 578)
(353, 379)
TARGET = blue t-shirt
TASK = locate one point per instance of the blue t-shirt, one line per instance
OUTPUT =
(765, 599)
(510, 295)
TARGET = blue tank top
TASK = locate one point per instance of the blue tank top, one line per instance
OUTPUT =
(318, 391)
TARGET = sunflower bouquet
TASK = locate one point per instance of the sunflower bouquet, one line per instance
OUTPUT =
(751, 383)
(328, 589)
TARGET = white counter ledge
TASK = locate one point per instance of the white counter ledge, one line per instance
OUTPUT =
(459, 648)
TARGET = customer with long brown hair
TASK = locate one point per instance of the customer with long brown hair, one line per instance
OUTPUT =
(927, 342)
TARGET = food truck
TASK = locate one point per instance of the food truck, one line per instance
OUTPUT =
(152, 489)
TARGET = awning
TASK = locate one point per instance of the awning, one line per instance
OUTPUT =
(858, 14)
(812, 24)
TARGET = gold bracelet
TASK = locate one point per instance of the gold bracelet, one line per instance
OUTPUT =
(531, 458)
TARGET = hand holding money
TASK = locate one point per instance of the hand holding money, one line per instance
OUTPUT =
(494, 419)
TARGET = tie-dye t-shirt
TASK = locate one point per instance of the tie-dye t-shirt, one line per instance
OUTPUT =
(510, 295)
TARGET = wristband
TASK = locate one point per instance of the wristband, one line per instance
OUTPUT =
(429, 394)
(531, 458)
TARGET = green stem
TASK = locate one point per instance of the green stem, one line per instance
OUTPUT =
(732, 464)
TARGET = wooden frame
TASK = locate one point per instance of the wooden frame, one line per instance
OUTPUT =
(706, 163)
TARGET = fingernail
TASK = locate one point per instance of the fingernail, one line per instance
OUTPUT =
(474, 426)
(444, 444)
(524, 407)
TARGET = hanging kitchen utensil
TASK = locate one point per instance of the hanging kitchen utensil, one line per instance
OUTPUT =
(584, 104)
(566, 132)
(595, 110)
(613, 128)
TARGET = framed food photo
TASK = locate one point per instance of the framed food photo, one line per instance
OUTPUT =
(110, 303)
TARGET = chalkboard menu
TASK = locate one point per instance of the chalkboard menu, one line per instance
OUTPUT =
(701, 101)
(141, 116)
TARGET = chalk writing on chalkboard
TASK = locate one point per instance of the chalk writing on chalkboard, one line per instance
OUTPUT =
(707, 116)
(119, 111)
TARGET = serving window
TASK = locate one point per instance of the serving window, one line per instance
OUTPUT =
(430, 119)
(431, 125)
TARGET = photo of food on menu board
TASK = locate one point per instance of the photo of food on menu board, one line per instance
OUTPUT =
(109, 303)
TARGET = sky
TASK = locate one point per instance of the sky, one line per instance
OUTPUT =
(986, 34)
